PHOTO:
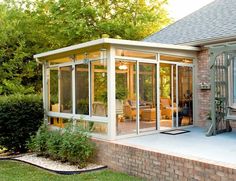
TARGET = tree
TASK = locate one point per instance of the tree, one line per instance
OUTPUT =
(28, 27)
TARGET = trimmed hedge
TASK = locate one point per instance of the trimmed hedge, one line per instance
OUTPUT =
(20, 117)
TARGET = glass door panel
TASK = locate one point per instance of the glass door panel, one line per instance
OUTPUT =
(185, 92)
(147, 97)
(168, 98)
(126, 118)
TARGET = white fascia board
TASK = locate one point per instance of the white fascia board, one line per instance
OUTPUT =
(150, 44)
(116, 42)
(70, 48)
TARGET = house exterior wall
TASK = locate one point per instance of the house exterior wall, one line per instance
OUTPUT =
(152, 165)
(203, 97)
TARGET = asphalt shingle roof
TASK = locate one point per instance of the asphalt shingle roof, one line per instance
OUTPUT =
(215, 20)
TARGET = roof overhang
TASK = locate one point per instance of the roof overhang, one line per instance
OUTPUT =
(114, 42)
(210, 41)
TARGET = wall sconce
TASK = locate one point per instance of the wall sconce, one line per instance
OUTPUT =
(123, 66)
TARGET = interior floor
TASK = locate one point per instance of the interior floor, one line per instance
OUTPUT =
(129, 126)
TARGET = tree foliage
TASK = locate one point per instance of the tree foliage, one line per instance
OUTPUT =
(28, 27)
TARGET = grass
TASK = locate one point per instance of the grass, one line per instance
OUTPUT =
(16, 171)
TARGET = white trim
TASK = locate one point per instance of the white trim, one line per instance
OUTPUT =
(90, 87)
(158, 93)
(116, 42)
(78, 116)
(137, 99)
(172, 95)
(111, 90)
(73, 90)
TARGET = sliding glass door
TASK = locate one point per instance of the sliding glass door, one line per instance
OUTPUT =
(147, 97)
(185, 95)
(168, 99)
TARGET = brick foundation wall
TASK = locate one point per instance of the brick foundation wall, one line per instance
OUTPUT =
(152, 165)
(203, 97)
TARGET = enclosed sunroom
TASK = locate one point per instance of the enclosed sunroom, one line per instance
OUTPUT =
(119, 88)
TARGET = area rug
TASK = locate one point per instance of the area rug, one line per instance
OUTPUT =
(175, 132)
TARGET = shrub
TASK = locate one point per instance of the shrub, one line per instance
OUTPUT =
(38, 143)
(53, 144)
(20, 117)
(71, 144)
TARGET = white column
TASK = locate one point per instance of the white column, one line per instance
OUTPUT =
(111, 90)
(73, 92)
(158, 92)
(45, 91)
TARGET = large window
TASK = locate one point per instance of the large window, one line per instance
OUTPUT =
(53, 90)
(82, 89)
(99, 88)
(66, 89)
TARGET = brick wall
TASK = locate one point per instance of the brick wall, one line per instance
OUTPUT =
(203, 97)
(156, 166)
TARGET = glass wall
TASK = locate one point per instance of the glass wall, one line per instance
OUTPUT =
(93, 127)
(168, 102)
(185, 95)
(59, 122)
(66, 89)
(147, 96)
(126, 97)
(99, 88)
(53, 90)
(82, 89)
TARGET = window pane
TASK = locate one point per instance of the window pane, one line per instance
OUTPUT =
(66, 89)
(147, 96)
(93, 127)
(137, 54)
(99, 88)
(176, 59)
(82, 89)
(59, 122)
(126, 97)
(59, 60)
(234, 79)
(53, 90)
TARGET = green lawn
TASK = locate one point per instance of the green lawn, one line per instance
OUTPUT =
(16, 171)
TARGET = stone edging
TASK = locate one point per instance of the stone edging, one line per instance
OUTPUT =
(54, 171)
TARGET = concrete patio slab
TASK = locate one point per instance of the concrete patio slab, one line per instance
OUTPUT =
(220, 149)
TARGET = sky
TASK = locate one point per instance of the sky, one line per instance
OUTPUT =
(180, 8)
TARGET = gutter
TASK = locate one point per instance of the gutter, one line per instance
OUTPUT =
(38, 61)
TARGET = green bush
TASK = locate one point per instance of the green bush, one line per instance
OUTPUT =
(53, 144)
(20, 117)
(38, 143)
(71, 144)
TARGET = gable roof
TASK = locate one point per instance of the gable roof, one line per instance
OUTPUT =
(215, 21)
